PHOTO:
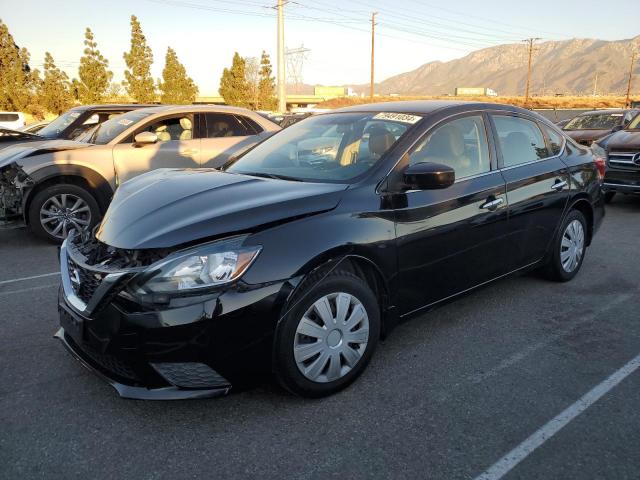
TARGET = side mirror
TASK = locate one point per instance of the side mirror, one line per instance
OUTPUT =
(428, 176)
(145, 138)
(617, 128)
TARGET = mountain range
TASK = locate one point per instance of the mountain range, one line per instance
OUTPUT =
(568, 67)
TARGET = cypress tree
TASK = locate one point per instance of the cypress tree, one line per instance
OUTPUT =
(266, 85)
(176, 86)
(16, 79)
(138, 81)
(55, 89)
(93, 76)
(233, 84)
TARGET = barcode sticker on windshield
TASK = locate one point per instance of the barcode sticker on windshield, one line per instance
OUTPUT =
(398, 117)
(126, 122)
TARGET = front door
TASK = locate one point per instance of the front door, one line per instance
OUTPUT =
(537, 187)
(453, 239)
(177, 147)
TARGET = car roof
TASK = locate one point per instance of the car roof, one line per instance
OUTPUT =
(113, 106)
(607, 111)
(426, 106)
(197, 108)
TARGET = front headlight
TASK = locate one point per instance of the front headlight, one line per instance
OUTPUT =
(202, 267)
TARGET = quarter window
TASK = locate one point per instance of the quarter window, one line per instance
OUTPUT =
(555, 140)
(520, 140)
(460, 144)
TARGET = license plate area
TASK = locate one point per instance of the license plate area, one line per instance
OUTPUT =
(73, 325)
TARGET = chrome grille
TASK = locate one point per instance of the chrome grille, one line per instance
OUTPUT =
(625, 160)
(84, 282)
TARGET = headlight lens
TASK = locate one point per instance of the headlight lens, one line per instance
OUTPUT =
(206, 266)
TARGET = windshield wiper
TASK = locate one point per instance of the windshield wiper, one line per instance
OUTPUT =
(272, 175)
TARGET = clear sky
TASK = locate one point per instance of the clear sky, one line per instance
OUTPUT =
(205, 33)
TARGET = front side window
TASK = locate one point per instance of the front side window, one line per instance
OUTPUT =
(635, 123)
(335, 147)
(460, 144)
(520, 140)
(172, 128)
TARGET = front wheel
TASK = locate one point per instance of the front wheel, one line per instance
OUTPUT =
(58, 209)
(326, 340)
(568, 248)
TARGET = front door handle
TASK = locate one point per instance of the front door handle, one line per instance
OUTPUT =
(559, 185)
(492, 204)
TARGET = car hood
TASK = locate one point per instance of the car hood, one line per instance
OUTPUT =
(586, 135)
(19, 150)
(623, 140)
(170, 207)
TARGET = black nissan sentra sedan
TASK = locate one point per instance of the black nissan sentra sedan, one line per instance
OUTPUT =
(298, 256)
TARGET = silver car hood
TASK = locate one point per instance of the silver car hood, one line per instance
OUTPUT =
(21, 150)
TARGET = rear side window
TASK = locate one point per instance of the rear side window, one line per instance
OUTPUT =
(9, 117)
(520, 140)
(460, 144)
(219, 125)
(555, 140)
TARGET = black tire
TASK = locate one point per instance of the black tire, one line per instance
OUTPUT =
(554, 269)
(608, 196)
(285, 366)
(42, 197)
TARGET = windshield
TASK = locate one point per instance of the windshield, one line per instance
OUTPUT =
(605, 121)
(58, 125)
(107, 131)
(335, 147)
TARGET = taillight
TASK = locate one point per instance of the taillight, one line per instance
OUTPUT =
(601, 166)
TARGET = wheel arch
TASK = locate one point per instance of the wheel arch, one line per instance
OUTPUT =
(582, 204)
(81, 176)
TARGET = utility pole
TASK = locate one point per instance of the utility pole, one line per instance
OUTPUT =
(530, 41)
(282, 99)
(595, 84)
(373, 39)
(633, 60)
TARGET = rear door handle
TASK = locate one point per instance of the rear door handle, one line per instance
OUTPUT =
(559, 185)
(492, 204)
(188, 152)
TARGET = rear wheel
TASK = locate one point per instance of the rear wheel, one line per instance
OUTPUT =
(58, 209)
(608, 196)
(568, 248)
(326, 339)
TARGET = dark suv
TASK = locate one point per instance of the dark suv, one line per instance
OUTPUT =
(621, 150)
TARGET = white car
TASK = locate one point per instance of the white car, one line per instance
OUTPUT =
(13, 120)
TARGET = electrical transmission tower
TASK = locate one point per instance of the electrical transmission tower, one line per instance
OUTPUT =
(295, 58)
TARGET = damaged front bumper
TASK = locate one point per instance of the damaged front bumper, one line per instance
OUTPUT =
(197, 348)
(13, 184)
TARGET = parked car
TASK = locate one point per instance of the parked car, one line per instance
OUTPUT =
(12, 120)
(77, 121)
(56, 185)
(196, 279)
(34, 127)
(590, 126)
(622, 153)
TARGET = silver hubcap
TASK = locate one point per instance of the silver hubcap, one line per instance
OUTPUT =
(64, 212)
(572, 246)
(331, 337)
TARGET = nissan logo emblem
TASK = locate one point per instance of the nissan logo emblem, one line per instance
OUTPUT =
(636, 159)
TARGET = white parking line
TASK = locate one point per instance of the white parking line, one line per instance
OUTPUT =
(522, 451)
(4, 282)
(23, 290)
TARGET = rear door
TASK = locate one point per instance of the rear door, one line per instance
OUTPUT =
(537, 186)
(177, 147)
(453, 239)
(225, 135)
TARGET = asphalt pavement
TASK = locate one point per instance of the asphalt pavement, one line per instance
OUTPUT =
(521, 379)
